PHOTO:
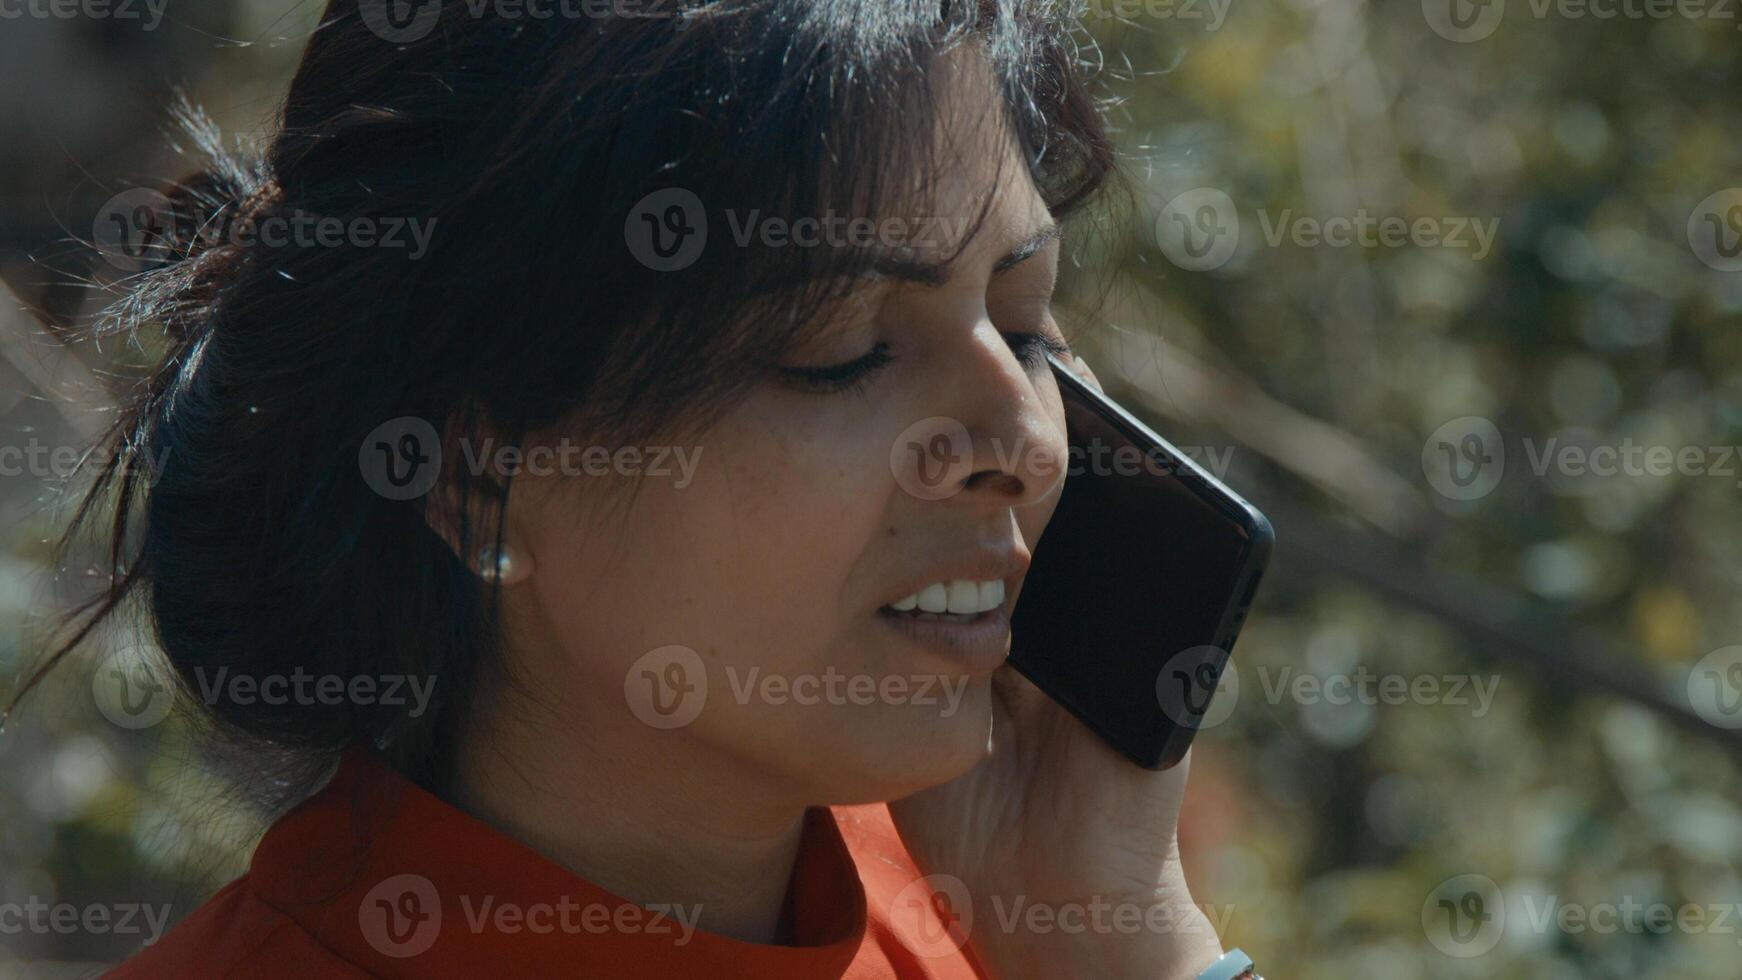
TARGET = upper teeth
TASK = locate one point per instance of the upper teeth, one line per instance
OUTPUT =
(958, 596)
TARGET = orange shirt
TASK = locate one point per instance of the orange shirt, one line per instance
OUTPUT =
(372, 876)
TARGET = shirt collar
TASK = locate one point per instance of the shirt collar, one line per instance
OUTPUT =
(395, 881)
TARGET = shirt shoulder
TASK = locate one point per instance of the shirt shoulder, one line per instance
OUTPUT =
(910, 919)
(235, 935)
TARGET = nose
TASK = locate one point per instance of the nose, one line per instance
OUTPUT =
(992, 440)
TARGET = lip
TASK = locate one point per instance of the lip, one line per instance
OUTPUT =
(1008, 565)
(980, 646)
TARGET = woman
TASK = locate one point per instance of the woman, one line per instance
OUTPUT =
(743, 713)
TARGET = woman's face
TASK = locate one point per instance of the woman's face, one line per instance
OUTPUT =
(743, 612)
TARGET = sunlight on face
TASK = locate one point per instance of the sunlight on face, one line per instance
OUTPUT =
(816, 509)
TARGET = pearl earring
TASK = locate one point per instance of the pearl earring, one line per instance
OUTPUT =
(494, 565)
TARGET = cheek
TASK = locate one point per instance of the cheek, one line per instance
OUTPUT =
(747, 563)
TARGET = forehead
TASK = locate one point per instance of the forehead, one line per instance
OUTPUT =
(979, 204)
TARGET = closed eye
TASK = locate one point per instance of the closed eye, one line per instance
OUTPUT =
(1031, 348)
(840, 377)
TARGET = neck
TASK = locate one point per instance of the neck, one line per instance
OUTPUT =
(641, 820)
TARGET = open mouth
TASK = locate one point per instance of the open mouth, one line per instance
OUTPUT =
(956, 601)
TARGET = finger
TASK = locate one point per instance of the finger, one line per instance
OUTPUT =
(1086, 372)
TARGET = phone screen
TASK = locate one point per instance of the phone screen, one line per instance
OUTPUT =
(1138, 585)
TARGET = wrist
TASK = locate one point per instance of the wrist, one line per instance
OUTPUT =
(1166, 941)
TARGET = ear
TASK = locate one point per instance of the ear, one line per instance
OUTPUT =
(470, 512)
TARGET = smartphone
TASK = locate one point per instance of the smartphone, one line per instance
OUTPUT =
(1137, 588)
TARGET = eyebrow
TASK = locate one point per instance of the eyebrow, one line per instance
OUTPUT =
(934, 274)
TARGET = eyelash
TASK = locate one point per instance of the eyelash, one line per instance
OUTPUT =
(1030, 349)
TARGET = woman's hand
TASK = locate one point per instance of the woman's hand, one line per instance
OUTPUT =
(1067, 851)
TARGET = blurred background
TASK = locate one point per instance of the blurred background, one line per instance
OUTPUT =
(1451, 290)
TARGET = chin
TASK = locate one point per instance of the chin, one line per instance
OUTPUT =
(908, 749)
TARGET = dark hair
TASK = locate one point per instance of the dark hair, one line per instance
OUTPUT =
(527, 144)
